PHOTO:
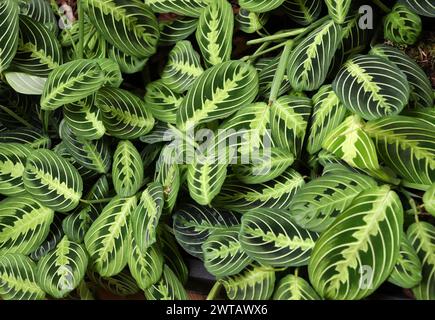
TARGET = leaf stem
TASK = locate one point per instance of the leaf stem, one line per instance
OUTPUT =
(279, 36)
(16, 116)
(382, 6)
(215, 290)
(280, 72)
(263, 52)
(81, 28)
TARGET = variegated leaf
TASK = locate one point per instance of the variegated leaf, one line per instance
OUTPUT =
(162, 101)
(255, 282)
(328, 114)
(39, 51)
(407, 145)
(146, 267)
(289, 121)
(407, 272)
(176, 30)
(429, 199)
(125, 116)
(13, 157)
(127, 169)
(130, 26)
(364, 238)
(251, 22)
(108, 239)
(217, 93)
(303, 12)
(270, 237)
(121, 284)
(145, 218)
(71, 82)
(168, 287)
(260, 5)
(190, 8)
(55, 235)
(30, 137)
(338, 9)
(61, 271)
(9, 28)
(25, 224)
(422, 7)
(420, 86)
(310, 60)
(52, 180)
(372, 87)
(193, 224)
(172, 254)
(293, 287)
(266, 72)
(128, 64)
(214, 32)
(422, 237)
(92, 154)
(183, 67)
(17, 278)
(317, 203)
(276, 193)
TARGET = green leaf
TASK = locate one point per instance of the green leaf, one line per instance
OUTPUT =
(190, 8)
(168, 287)
(338, 9)
(264, 166)
(41, 11)
(429, 199)
(310, 60)
(130, 26)
(52, 180)
(55, 235)
(127, 169)
(125, 116)
(357, 253)
(292, 287)
(214, 33)
(402, 26)
(128, 64)
(351, 143)
(183, 67)
(30, 137)
(407, 145)
(172, 255)
(71, 82)
(372, 87)
(92, 154)
(317, 203)
(328, 114)
(168, 174)
(270, 237)
(421, 88)
(84, 119)
(407, 270)
(266, 68)
(217, 93)
(176, 30)
(121, 284)
(303, 12)
(422, 7)
(193, 224)
(17, 278)
(9, 27)
(39, 51)
(77, 224)
(251, 22)
(61, 271)
(13, 157)
(276, 193)
(112, 71)
(289, 121)
(25, 83)
(145, 218)
(146, 267)
(255, 282)
(223, 254)
(24, 224)
(260, 5)
(162, 101)
(107, 240)
(205, 177)
(422, 238)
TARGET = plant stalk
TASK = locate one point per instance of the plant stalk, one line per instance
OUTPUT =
(280, 72)
(81, 28)
(16, 116)
(215, 290)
